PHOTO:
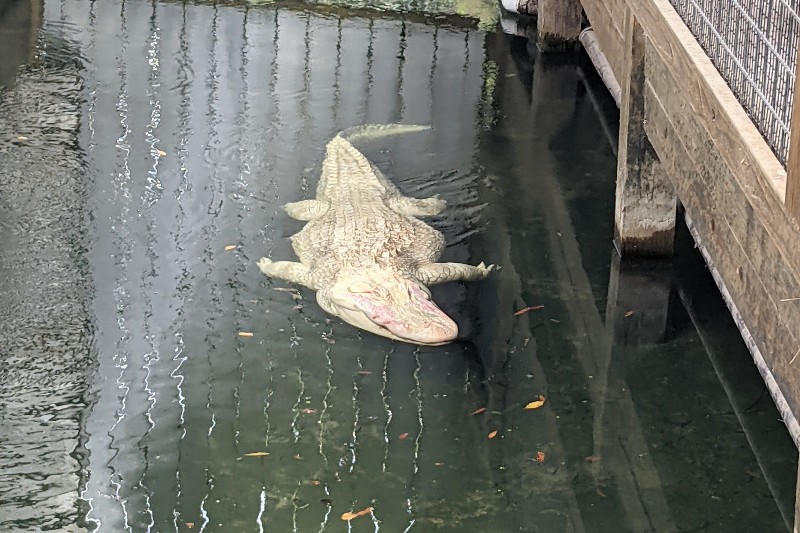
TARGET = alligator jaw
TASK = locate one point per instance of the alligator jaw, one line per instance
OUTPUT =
(391, 306)
(436, 330)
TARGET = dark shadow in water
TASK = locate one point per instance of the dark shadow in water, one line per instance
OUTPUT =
(161, 140)
(20, 21)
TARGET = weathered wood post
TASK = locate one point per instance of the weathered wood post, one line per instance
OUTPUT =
(646, 201)
(793, 163)
(559, 23)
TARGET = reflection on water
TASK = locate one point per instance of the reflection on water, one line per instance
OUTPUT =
(145, 157)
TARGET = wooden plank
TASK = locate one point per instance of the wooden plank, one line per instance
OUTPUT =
(735, 137)
(747, 258)
(793, 163)
(727, 204)
(558, 23)
(602, 15)
(645, 198)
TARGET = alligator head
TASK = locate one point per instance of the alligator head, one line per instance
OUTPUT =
(390, 305)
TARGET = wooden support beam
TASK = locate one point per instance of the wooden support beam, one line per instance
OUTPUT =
(645, 200)
(793, 163)
(559, 23)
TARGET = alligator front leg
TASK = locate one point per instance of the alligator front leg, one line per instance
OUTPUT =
(434, 273)
(306, 209)
(417, 207)
(287, 270)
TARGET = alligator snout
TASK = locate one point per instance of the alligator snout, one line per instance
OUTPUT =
(428, 330)
(432, 334)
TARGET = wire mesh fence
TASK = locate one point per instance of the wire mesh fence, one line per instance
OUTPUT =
(753, 44)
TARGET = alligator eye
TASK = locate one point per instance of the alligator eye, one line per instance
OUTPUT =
(360, 287)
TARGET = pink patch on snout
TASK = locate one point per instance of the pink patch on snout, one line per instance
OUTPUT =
(431, 324)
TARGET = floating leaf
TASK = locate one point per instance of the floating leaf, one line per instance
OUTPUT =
(315, 482)
(350, 516)
(230, 247)
(591, 459)
(478, 411)
(629, 313)
(256, 454)
(162, 153)
(529, 308)
(539, 457)
(284, 289)
(245, 334)
(403, 436)
(308, 411)
(363, 372)
(438, 464)
(190, 525)
(525, 342)
(21, 138)
(493, 434)
(536, 404)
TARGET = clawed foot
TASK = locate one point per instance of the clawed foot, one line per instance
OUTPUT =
(431, 206)
(263, 265)
(485, 270)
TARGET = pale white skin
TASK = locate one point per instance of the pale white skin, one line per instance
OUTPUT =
(366, 253)
(384, 302)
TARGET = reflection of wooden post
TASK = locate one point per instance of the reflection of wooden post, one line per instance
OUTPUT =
(793, 163)
(645, 210)
(559, 23)
(638, 301)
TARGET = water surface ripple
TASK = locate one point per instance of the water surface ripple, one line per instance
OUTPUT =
(146, 149)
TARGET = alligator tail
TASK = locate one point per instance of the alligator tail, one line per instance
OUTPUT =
(374, 131)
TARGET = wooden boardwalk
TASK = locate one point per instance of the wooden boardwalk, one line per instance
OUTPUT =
(685, 139)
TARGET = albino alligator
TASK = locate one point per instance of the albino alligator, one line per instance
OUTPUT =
(364, 252)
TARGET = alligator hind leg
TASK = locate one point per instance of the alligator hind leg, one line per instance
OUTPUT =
(434, 273)
(306, 209)
(287, 270)
(417, 207)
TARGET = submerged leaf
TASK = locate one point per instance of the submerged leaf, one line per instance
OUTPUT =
(350, 516)
(493, 434)
(478, 411)
(539, 457)
(535, 404)
(529, 308)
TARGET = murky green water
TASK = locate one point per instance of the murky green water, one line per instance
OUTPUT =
(140, 141)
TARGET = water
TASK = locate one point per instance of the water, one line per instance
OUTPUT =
(139, 140)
